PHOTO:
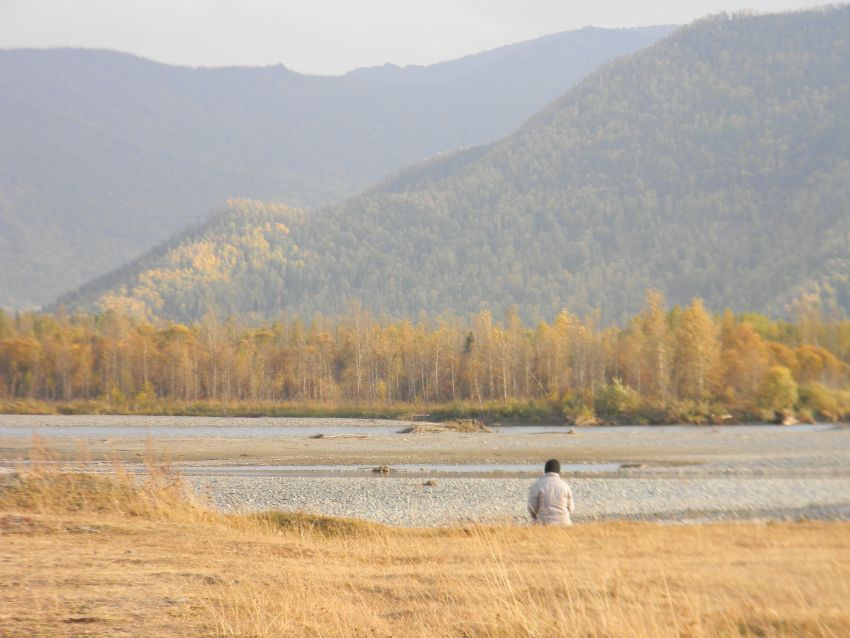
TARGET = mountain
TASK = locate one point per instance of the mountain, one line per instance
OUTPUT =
(105, 155)
(236, 261)
(714, 163)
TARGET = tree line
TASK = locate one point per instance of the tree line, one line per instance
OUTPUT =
(684, 357)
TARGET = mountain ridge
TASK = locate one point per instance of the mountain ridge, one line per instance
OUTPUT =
(107, 154)
(715, 163)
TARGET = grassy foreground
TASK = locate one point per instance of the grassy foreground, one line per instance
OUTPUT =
(98, 555)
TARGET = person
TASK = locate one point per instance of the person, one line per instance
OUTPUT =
(550, 500)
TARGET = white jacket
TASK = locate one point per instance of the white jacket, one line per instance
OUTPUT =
(550, 500)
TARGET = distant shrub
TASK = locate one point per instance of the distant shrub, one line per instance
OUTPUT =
(778, 390)
(613, 399)
(826, 403)
(315, 523)
(694, 412)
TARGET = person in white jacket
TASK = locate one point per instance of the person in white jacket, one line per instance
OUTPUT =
(550, 500)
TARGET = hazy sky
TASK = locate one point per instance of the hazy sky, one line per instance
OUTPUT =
(327, 36)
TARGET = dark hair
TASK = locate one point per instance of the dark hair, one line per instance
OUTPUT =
(552, 465)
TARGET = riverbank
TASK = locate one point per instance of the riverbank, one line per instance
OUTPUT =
(667, 473)
(490, 412)
(286, 441)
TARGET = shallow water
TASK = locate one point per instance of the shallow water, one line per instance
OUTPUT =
(193, 432)
(413, 470)
(162, 427)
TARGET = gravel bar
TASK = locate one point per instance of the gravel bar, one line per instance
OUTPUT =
(409, 502)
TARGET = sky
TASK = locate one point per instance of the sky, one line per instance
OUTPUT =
(328, 37)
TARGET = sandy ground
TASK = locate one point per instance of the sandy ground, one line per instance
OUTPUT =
(763, 450)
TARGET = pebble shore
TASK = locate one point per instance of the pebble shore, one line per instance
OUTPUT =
(408, 502)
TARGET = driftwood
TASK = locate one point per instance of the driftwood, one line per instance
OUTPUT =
(785, 417)
(422, 429)
(458, 425)
(340, 436)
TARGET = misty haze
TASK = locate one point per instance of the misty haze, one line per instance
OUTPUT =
(443, 319)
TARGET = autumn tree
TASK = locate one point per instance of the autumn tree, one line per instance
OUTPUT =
(696, 351)
(656, 347)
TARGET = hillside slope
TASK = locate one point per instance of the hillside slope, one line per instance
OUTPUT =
(715, 163)
(104, 155)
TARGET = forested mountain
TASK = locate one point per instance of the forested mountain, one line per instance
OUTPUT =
(715, 163)
(104, 155)
(235, 263)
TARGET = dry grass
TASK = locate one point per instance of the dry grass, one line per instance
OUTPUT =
(105, 556)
